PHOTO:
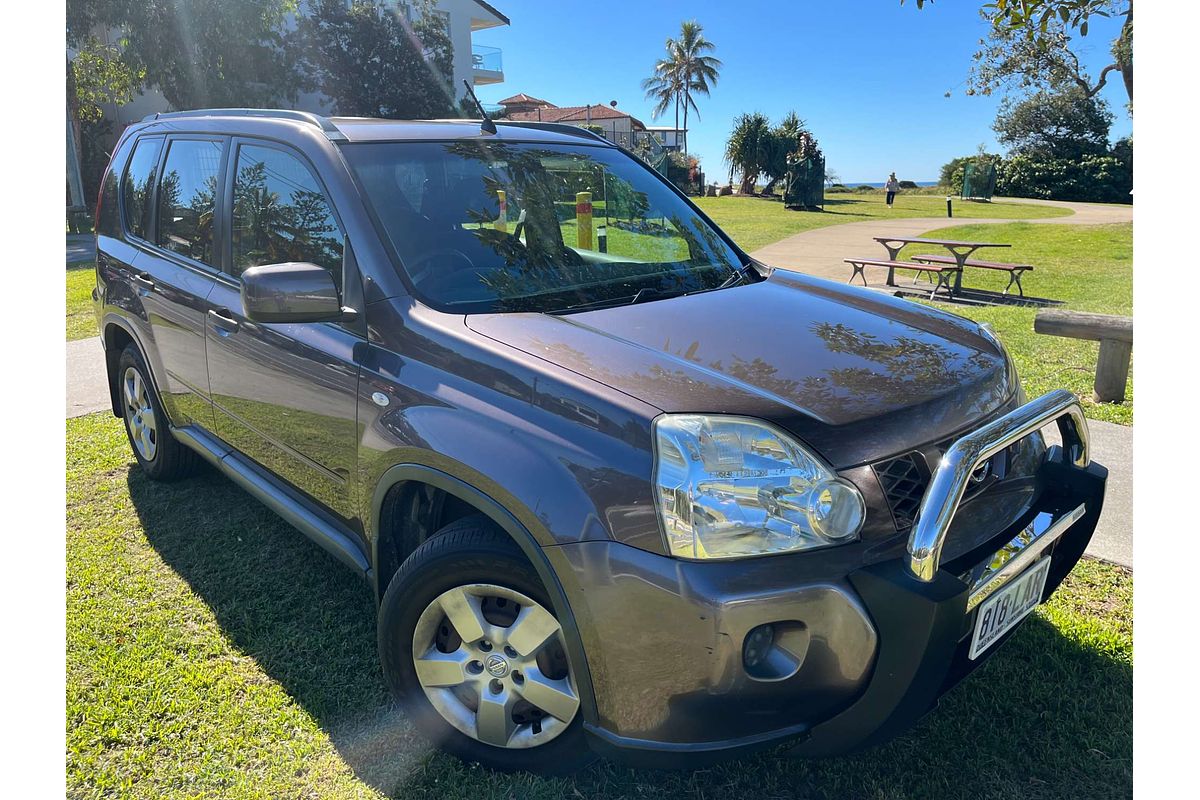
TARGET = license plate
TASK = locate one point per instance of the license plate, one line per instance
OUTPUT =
(999, 613)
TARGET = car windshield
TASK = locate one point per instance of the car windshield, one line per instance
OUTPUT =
(501, 226)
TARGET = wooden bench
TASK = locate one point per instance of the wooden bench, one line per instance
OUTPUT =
(943, 273)
(1015, 271)
(1115, 335)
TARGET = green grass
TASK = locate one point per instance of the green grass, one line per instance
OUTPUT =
(212, 651)
(81, 317)
(755, 222)
(1088, 267)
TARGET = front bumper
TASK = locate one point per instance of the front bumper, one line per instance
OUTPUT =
(876, 646)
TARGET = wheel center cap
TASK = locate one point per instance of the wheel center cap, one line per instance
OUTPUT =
(496, 665)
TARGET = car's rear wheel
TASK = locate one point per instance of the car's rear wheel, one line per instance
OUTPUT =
(156, 450)
(471, 647)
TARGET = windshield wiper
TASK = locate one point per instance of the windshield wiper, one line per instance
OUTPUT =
(740, 275)
(646, 293)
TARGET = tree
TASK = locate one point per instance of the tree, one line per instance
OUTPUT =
(1067, 124)
(371, 62)
(790, 137)
(748, 149)
(198, 52)
(687, 70)
(97, 76)
(832, 178)
(1029, 43)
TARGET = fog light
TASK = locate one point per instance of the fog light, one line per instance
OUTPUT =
(757, 646)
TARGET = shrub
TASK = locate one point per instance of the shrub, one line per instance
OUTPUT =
(839, 187)
(863, 188)
(1093, 178)
(908, 185)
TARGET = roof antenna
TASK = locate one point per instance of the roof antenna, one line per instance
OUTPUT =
(487, 126)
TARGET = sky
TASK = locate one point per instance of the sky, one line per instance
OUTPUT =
(868, 76)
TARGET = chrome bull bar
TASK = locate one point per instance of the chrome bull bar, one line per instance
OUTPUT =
(953, 473)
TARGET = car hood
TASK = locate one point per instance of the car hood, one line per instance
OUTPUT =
(856, 374)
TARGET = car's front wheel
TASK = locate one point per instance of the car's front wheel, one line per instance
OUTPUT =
(472, 649)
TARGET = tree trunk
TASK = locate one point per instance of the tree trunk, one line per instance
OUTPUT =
(686, 100)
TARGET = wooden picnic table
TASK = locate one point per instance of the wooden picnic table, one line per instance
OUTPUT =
(960, 250)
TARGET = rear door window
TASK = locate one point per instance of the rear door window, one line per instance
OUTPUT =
(187, 198)
(139, 183)
(280, 213)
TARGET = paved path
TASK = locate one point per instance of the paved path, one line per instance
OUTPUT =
(87, 384)
(820, 252)
(81, 247)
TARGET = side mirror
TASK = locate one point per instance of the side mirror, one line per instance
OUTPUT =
(291, 292)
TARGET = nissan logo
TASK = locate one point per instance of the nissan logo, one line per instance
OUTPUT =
(496, 666)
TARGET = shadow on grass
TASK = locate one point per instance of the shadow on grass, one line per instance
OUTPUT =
(1046, 717)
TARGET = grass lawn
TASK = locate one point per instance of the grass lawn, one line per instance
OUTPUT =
(755, 222)
(212, 651)
(81, 318)
(1089, 267)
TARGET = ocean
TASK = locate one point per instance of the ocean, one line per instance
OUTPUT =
(879, 184)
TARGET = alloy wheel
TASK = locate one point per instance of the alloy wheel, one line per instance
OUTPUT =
(139, 414)
(492, 663)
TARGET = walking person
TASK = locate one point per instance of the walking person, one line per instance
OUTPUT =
(892, 186)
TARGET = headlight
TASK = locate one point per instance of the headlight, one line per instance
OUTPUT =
(1013, 378)
(729, 487)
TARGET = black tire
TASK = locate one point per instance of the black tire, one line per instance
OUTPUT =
(470, 550)
(170, 460)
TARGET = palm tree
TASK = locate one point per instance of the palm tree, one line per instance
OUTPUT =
(698, 70)
(687, 70)
(663, 87)
(749, 149)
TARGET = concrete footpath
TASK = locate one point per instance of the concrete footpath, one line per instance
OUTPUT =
(820, 251)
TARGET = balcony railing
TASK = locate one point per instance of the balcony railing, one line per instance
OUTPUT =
(486, 59)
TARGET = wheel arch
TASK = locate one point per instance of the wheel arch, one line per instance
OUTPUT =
(116, 337)
(402, 474)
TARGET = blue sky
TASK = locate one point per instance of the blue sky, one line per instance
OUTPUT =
(868, 76)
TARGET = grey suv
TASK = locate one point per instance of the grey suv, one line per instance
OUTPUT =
(617, 487)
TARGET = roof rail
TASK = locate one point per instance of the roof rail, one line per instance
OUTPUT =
(324, 123)
(557, 127)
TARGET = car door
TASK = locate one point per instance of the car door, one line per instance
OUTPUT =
(171, 210)
(284, 394)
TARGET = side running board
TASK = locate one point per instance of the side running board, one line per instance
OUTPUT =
(295, 509)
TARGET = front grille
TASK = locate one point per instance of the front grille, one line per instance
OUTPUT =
(904, 481)
(905, 478)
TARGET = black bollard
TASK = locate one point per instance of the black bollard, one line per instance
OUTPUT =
(949, 210)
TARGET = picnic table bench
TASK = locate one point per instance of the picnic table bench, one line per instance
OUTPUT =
(1015, 271)
(960, 250)
(943, 273)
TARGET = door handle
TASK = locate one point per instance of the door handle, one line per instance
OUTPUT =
(143, 280)
(223, 320)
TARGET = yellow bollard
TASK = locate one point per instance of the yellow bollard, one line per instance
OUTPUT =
(501, 223)
(583, 219)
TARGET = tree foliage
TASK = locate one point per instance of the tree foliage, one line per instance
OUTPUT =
(1066, 124)
(198, 52)
(755, 149)
(1030, 44)
(372, 62)
(100, 76)
(688, 69)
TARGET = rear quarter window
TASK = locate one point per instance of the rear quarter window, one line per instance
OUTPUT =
(139, 183)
